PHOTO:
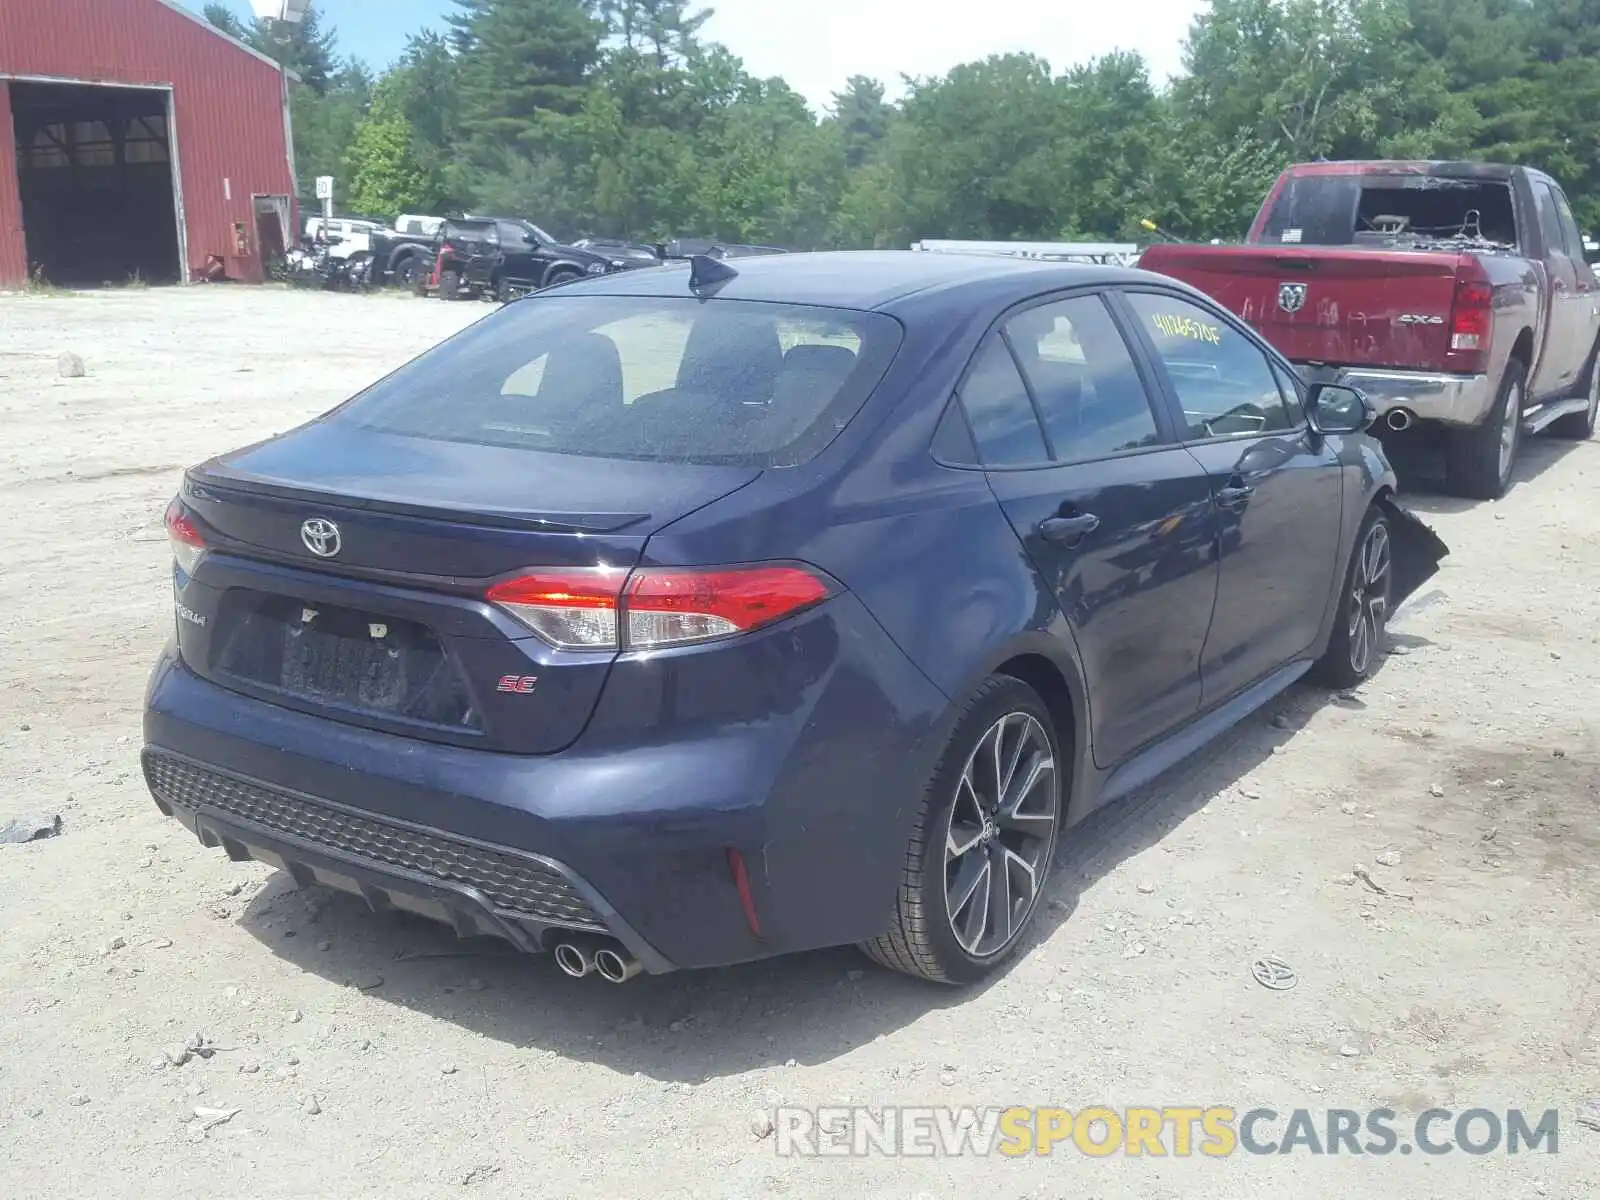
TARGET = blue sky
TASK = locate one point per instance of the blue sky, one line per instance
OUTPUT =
(817, 44)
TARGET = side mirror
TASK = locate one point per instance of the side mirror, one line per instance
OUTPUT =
(1334, 408)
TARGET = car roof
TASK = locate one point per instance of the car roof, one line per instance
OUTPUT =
(869, 279)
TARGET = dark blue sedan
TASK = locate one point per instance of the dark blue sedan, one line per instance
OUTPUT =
(686, 617)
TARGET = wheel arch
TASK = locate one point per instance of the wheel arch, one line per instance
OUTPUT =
(1522, 347)
(562, 270)
(1041, 660)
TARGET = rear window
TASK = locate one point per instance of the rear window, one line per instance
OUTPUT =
(661, 379)
(469, 233)
(1344, 210)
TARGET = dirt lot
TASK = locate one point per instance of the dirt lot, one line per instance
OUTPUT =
(1465, 779)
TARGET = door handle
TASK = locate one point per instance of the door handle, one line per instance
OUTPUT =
(1235, 497)
(1068, 531)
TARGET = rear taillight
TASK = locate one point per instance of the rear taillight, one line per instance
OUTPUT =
(668, 608)
(601, 608)
(188, 547)
(1471, 320)
(573, 609)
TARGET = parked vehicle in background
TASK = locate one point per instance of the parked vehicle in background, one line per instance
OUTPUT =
(1457, 296)
(412, 225)
(676, 618)
(403, 256)
(507, 257)
(689, 247)
(634, 253)
(345, 242)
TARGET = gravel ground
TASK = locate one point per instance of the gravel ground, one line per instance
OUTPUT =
(365, 1056)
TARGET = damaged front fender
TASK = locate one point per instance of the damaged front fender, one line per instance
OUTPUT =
(1418, 551)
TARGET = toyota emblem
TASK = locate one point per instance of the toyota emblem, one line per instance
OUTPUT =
(321, 537)
(1291, 297)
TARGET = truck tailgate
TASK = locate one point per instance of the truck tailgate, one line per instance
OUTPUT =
(1340, 306)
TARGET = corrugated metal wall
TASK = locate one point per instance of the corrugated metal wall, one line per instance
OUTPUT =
(228, 103)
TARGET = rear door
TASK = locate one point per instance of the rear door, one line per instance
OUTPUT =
(479, 243)
(519, 252)
(1277, 487)
(1116, 518)
(1572, 294)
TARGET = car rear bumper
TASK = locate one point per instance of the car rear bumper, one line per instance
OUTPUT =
(1460, 400)
(634, 836)
(481, 891)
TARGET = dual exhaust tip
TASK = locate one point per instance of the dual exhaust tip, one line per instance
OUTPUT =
(606, 959)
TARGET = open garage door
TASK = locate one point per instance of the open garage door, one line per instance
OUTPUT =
(99, 192)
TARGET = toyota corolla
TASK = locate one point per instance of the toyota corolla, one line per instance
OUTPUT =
(683, 618)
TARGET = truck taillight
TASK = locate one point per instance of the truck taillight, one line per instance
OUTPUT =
(1471, 321)
(188, 546)
(602, 608)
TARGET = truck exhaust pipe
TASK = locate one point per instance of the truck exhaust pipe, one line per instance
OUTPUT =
(1400, 420)
(575, 959)
(616, 965)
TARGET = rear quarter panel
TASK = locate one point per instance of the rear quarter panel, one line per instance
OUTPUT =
(1521, 306)
(926, 548)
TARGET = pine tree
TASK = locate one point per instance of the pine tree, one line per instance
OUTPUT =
(524, 60)
(306, 48)
(863, 119)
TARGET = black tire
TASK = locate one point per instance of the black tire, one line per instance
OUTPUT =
(922, 939)
(449, 285)
(1579, 426)
(505, 291)
(411, 274)
(557, 278)
(1474, 463)
(1362, 615)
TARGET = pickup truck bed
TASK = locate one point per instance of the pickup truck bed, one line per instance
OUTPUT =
(1455, 295)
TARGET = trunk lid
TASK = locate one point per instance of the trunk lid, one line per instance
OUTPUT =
(387, 626)
(1338, 306)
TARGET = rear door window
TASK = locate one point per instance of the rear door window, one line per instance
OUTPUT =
(1088, 391)
(1002, 415)
(1555, 238)
(1224, 382)
(664, 379)
(1571, 238)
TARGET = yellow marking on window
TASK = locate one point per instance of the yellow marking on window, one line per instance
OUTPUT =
(1187, 327)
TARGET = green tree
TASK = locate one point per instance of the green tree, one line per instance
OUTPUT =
(325, 125)
(977, 153)
(524, 60)
(307, 47)
(861, 116)
(425, 86)
(387, 174)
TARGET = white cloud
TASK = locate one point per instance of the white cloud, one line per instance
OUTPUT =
(817, 44)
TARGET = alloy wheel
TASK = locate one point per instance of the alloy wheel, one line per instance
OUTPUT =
(1510, 431)
(1001, 834)
(1369, 598)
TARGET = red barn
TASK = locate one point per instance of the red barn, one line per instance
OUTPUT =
(137, 141)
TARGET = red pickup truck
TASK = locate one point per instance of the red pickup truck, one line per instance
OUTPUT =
(1456, 295)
